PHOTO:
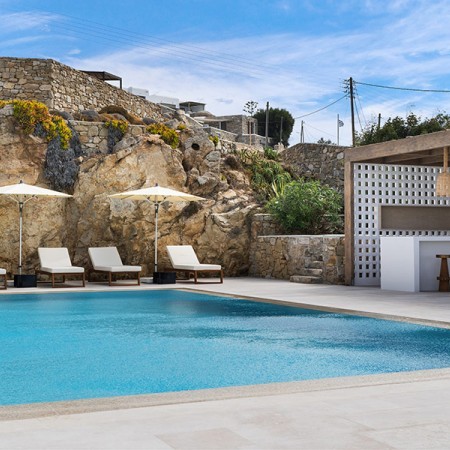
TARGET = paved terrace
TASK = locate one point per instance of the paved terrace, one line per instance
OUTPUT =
(394, 411)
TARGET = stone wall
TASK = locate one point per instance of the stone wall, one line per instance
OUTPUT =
(94, 135)
(237, 124)
(66, 89)
(321, 161)
(295, 257)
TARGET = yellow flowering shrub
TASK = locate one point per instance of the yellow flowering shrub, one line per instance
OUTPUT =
(120, 125)
(168, 135)
(30, 113)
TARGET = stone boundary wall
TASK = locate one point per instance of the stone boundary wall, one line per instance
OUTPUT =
(94, 135)
(66, 89)
(225, 135)
(285, 256)
(321, 161)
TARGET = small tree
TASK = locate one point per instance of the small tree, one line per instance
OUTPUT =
(399, 128)
(281, 124)
(308, 207)
(250, 107)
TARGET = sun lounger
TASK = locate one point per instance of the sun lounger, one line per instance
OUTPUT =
(3, 275)
(56, 261)
(107, 260)
(184, 259)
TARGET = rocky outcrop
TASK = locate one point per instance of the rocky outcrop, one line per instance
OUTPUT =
(218, 227)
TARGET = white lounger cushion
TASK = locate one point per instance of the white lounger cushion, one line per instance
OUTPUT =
(183, 257)
(107, 259)
(2, 272)
(62, 269)
(197, 266)
(57, 260)
(118, 268)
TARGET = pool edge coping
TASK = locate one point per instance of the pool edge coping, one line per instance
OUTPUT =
(62, 408)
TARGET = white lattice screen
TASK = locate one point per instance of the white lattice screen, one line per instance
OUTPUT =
(376, 185)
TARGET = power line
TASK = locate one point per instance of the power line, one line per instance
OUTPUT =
(321, 109)
(402, 88)
(317, 129)
(83, 28)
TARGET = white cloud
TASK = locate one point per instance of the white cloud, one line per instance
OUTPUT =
(405, 43)
(27, 20)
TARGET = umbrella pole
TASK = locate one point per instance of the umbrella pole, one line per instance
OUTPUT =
(20, 236)
(156, 236)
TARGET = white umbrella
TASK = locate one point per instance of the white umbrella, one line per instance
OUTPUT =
(23, 193)
(157, 195)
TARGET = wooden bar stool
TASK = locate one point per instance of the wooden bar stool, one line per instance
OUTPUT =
(443, 275)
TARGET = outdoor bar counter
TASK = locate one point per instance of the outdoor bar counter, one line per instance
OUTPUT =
(409, 263)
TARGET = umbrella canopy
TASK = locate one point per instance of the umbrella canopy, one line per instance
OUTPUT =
(157, 195)
(22, 193)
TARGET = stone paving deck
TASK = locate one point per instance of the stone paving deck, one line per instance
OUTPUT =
(395, 411)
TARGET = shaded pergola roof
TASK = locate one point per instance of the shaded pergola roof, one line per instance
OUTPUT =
(423, 150)
(104, 76)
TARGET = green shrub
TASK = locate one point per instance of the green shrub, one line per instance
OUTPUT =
(214, 140)
(270, 153)
(267, 175)
(168, 135)
(308, 207)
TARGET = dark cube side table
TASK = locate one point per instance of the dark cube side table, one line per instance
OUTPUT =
(24, 281)
(164, 277)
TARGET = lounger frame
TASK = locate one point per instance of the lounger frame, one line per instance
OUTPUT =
(184, 259)
(64, 275)
(195, 273)
(115, 283)
(4, 284)
(107, 260)
(57, 260)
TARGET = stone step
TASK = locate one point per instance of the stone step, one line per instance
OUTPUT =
(311, 272)
(305, 279)
(315, 265)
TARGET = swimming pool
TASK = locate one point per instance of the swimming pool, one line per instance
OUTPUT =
(67, 346)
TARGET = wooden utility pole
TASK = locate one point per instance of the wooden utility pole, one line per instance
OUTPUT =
(352, 110)
(267, 124)
(281, 130)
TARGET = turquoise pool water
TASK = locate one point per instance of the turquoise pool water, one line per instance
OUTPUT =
(88, 345)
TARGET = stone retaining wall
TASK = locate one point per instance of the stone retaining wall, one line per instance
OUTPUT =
(286, 256)
(66, 89)
(94, 135)
(320, 161)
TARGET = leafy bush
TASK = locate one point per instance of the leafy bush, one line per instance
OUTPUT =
(267, 175)
(34, 117)
(399, 128)
(270, 153)
(168, 135)
(308, 207)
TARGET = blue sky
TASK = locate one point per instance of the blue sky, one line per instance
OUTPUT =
(294, 54)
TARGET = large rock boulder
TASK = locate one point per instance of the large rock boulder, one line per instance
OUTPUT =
(218, 227)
